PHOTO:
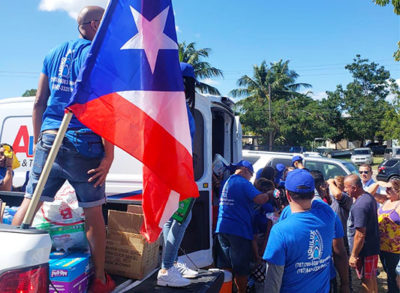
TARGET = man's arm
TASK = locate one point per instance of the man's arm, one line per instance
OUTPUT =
(359, 239)
(261, 199)
(273, 280)
(373, 188)
(100, 173)
(42, 95)
(6, 185)
(336, 192)
(341, 264)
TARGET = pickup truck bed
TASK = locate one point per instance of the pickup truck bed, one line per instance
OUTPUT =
(206, 282)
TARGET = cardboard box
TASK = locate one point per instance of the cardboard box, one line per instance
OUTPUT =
(124, 221)
(69, 272)
(135, 209)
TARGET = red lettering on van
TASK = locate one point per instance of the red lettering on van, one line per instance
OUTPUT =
(23, 143)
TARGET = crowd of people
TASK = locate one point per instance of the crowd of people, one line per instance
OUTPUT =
(293, 231)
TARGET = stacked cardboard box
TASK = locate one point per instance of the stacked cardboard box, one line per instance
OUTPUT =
(128, 254)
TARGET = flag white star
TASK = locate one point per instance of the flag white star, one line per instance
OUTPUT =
(150, 36)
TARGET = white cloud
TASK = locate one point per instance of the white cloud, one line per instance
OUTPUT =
(72, 7)
(178, 30)
(210, 81)
(316, 96)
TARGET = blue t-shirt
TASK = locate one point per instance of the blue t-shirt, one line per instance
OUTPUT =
(236, 207)
(302, 243)
(62, 66)
(2, 174)
(338, 233)
(363, 213)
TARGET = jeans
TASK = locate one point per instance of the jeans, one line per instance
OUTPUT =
(389, 262)
(173, 233)
(69, 165)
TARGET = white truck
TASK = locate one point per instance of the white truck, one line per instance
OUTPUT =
(26, 253)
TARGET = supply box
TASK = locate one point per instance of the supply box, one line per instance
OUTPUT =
(128, 253)
(69, 272)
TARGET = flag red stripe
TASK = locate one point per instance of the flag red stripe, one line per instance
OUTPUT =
(142, 137)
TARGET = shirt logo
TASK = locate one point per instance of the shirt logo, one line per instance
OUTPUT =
(315, 246)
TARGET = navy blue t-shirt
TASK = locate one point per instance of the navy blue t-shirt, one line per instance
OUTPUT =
(363, 213)
(236, 207)
(62, 66)
(302, 243)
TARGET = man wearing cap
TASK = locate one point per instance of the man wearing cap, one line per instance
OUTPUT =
(297, 162)
(299, 248)
(234, 226)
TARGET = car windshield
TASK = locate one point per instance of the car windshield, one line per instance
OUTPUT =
(352, 168)
(251, 159)
(361, 152)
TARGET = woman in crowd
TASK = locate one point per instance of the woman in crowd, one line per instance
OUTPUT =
(389, 228)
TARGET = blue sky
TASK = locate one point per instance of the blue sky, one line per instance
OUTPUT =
(318, 37)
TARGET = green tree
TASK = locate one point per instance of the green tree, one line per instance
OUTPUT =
(390, 124)
(202, 69)
(29, 93)
(263, 93)
(364, 98)
(396, 9)
(332, 108)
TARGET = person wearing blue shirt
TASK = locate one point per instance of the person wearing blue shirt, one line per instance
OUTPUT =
(234, 225)
(299, 249)
(84, 158)
(6, 172)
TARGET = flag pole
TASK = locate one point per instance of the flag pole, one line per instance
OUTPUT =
(27, 222)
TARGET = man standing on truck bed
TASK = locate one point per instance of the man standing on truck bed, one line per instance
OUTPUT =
(84, 159)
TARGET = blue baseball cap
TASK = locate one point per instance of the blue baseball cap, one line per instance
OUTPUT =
(244, 163)
(300, 181)
(296, 159)
(187, 70)
(280, 167)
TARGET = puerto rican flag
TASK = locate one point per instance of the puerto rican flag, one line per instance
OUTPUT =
(130, 91)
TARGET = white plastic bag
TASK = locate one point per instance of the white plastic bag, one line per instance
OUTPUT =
(64, 220)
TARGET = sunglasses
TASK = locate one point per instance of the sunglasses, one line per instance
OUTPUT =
(364, 172)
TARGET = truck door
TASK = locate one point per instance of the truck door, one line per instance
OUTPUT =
(216, 133)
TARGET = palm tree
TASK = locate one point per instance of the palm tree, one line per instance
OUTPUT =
(277, 81)
(202, 69)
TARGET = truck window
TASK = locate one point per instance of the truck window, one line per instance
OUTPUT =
(198, 145)
(327, 169)
(286, 162)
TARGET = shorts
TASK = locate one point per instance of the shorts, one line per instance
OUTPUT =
(235, 253)
(69, 165)
(367, 267)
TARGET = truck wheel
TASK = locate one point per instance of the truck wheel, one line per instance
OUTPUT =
(395, 177)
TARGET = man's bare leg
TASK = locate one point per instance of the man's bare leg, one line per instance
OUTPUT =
(241, 283)
(96, 235)
(369, 285)
(20, 214)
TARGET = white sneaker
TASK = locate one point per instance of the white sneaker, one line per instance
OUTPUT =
(185, 271)
(171, 278)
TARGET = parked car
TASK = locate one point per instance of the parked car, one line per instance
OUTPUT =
(362, 156)
(391, 152)
(329, 167)
(377, 149)
(389, 169)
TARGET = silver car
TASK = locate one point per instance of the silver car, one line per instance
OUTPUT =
(362, 156)
(328, 167)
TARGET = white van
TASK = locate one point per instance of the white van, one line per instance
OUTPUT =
(218, 131)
